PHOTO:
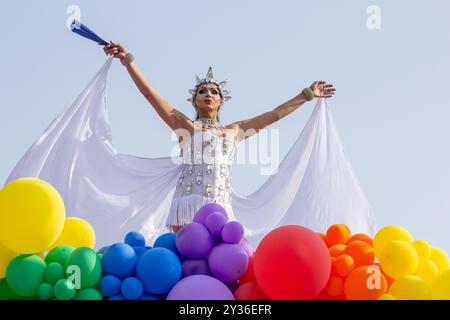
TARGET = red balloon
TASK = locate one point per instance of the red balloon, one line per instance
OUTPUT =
(249, 291)
(292, 263)
(249, 275)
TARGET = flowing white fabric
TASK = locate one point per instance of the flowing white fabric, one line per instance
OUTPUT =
(315, 185)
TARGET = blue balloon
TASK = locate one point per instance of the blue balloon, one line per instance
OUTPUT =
(135, 239)
(140, 251)
(110, 286)
(119, 260)
(132, 288)
(167, 240)
(118, 297)
(148, 296)
(159, 269)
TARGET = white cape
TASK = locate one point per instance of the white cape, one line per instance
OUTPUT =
(314, 186)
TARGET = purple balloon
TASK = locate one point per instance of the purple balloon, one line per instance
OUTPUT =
(194, 241)
(200, 287)
(192, 267)
(214, 223)
(206, 210)
(232, 232)
(247, 247)
(228, 262)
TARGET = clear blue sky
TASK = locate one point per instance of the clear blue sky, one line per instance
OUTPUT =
(392, 106)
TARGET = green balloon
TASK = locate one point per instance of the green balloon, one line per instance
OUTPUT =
(25, 273)
(45, 291)
(64, 289)
(59, 254)
(6, 293)
(88, 294)
(54, 272)
(84, 265)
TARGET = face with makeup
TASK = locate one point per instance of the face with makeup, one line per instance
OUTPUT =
(208, 100)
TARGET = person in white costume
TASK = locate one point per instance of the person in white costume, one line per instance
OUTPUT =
(206, 174)
(314, 185)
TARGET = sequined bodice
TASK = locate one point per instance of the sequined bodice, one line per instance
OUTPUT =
(207, 163)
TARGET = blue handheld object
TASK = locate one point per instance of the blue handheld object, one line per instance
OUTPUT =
(84, 31)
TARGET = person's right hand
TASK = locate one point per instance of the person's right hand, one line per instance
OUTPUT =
(116, 50)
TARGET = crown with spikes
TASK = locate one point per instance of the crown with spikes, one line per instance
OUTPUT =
(210, 79)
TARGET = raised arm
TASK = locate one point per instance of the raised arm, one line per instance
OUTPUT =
(173, 117)
(249, 127)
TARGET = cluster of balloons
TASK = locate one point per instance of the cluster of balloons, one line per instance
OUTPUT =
(390, 266)
(33, 223)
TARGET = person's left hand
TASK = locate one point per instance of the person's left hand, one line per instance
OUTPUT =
(322, 90)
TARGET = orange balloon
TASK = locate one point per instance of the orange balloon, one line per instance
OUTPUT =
(362, 237)
(343, 265)
(249, 275)
(335, 286)
(361, 252)
(389, 280)
(337, 234)
(336, 250)
(364, 284)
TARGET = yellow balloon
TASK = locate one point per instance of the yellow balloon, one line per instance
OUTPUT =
(31, 215)
(410, 288)
(398, 258)
(423, 249)
(388, 234)
(5, 257)
(440, 257)
(427, 270)
(76, 233)
(386, 296)
(440, 290)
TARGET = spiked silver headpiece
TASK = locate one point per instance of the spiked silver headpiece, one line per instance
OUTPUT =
(210, 79)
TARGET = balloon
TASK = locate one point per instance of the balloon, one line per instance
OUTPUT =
(59, 255)
(423, 249)
(102, 249)
(110, 286)
(64, 289)
(410, 288)
(214, 223)
(323, 236)
(158, 269)
(206, 210)
(118, 297)
(6, 293)
(249, 275)
(194, 241)
(398, 258)
(292, 262)
(365, 283)
(25, 273)
(135, 239)
(32, 215)
(232, 232)
(337, 234)
(387, 296)
(119, 260)
(361, 237)
(5, 257)
(228, 262)
(427, 270)
(147, 296)
(140, 251)
(54, 272)
(76, 233)
(132, 288)
(343, 265)
(168, 241)
(46, 291)
(195, 266)
(361, 252)
(440, 290)
(88, 294)
(85, 264)
(247, 247)
(200, 287)
(336, 250)
(335, 286)
(249, 291)
(440, 257)
(388, 234)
